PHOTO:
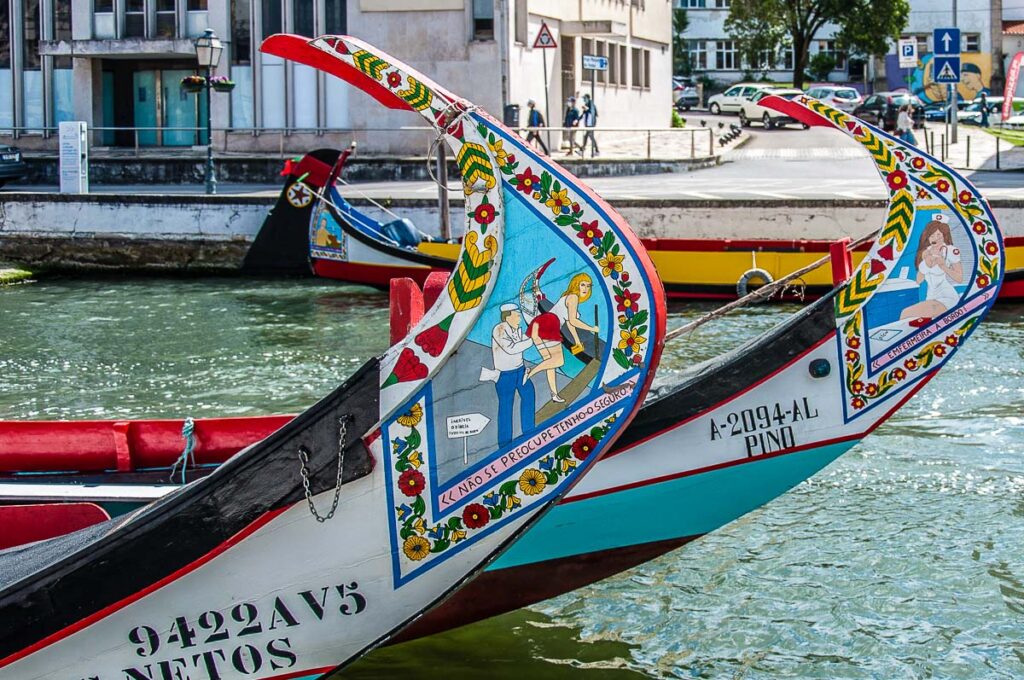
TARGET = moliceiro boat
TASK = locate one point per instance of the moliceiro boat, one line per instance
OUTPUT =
(711, 444)
(347, 243)
(327, 537)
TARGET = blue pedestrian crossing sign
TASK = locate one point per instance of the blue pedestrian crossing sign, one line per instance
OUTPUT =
(946, 69)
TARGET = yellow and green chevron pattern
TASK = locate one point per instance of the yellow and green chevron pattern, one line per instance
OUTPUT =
(466, 287)
(475, 166)
(896, 231)
(875, 146)
(417, 95)
(370, 64)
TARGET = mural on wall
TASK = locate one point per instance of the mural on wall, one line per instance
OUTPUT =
(975, 77)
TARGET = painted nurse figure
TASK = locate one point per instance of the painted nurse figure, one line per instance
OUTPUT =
(939, 268)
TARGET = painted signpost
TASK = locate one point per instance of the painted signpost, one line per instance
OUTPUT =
(545, 41)
(946, 68)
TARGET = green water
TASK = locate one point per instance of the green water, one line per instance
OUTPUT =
(904, 559)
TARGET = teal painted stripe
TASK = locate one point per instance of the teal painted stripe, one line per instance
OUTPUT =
(688, 506)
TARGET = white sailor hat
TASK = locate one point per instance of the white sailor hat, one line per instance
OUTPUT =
(939, 217)
(509, 307)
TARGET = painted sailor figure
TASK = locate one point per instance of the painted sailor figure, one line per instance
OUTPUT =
(508, 342)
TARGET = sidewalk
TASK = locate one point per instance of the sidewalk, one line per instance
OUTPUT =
(980, 145)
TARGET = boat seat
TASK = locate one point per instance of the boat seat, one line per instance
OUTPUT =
(403, 232)
(25, 560)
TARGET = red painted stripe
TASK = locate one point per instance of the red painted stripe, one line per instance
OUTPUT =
(261, 521)
(378, 275)
(705, 245)
(300, 674)
(745, 461)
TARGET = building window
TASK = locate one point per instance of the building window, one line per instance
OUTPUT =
(697, 51)
(166, 20)
(725, 55)
(829, 47)
(586, 47)
(483, 19)
(241, 64)
(135, 18)
(336, 19)
(271, 17)
(647, 69)
(721, 4)
(765, 60)
(302, 14)
(613, 64)
(522, 21)
(638, 66)
(623, 65)
(922, 43)
(602, 51)
(103, 18)
(972, 42)
(786, 57)
(692, 4)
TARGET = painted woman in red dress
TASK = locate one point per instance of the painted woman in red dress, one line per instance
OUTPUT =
(546, 330)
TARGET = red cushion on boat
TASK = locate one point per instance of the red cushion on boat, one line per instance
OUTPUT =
(30, 523)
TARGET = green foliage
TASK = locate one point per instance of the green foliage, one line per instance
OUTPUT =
(821, 65)
(865, 26)
(680, 54)
(677, 120)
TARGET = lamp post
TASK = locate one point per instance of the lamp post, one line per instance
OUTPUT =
(208, 50)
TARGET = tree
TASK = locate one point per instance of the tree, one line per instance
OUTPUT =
(865, 26)
(821, 65)
(680, 53)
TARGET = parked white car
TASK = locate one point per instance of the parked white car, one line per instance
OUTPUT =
(770, 118)
(839, 97)
(732, 99)
(971, 114)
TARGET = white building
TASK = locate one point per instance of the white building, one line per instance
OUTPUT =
(118, 64)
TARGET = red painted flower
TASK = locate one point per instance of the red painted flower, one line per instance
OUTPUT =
(965, 197)
(511, 158)
(575, 207)
(589, 233)
(475, 516)
(583, 446)
(624, 277)
(871, 390)
(979, 227)
(433, 340)
(857, 387)
(857, 402)
(853, 341)
(952, 340)
(901, 155)
(991, 248)
(411, 482)
(922, 194)
(637, 359)
(627, 302)
(851, 355)
(898, 374)
(939, 350)
(897, 180)
(526, 181)
(917, 163)
(394, 79)
(484, 213)
(408, 367)
(910, 364)
(982, 281)
(942, 185)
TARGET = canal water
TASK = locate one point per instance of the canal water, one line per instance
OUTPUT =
(904, 559)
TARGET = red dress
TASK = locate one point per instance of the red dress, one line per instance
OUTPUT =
(549, 327)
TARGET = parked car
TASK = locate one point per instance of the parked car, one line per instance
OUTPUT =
(770, 118)
(12, 166)
(936, 111)
(839, 97)
(882, 108)
(732, 99)
(971, 113)
(684, 94)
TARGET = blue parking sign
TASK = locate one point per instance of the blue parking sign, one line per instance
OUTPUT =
(946, 69)
(946, 41)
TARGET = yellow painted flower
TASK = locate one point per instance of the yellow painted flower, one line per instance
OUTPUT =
(532, 482)
(419, 526)
(610, 263)
(631, 339)
(415, 459)
(593, 250)
(496, 147)
(416, 548)
(568, 464)
(536, 195)
(512, 501)
(558, 200)
(413, 417)
(457, 535)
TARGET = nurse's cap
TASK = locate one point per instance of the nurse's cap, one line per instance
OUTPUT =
(939, 217)
(509, 307)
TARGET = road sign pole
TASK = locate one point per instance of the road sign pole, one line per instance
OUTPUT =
(547, 106)
(955, 108)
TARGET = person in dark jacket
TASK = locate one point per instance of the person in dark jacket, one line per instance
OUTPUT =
(534, 120)
(589, 122)
(571, 121)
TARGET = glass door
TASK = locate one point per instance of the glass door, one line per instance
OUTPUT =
(144, 92)
(182, 110)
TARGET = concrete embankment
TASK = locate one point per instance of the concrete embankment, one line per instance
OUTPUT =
(198, 233)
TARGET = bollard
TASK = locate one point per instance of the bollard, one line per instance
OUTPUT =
(693, 144)
(648, 144)
(997, 153)
(968, 163)
(942, 148)
(711, 142)
(931, 143)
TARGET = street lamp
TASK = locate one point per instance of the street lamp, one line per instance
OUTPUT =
(208, 50)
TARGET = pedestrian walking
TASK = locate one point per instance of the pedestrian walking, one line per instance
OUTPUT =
(984, 110)
(571, 121)
(534, 120)
(589, 122)
(905, 124)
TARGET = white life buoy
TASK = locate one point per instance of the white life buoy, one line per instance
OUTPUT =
(755, 275)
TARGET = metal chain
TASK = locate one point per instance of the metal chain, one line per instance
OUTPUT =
(304, 472)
